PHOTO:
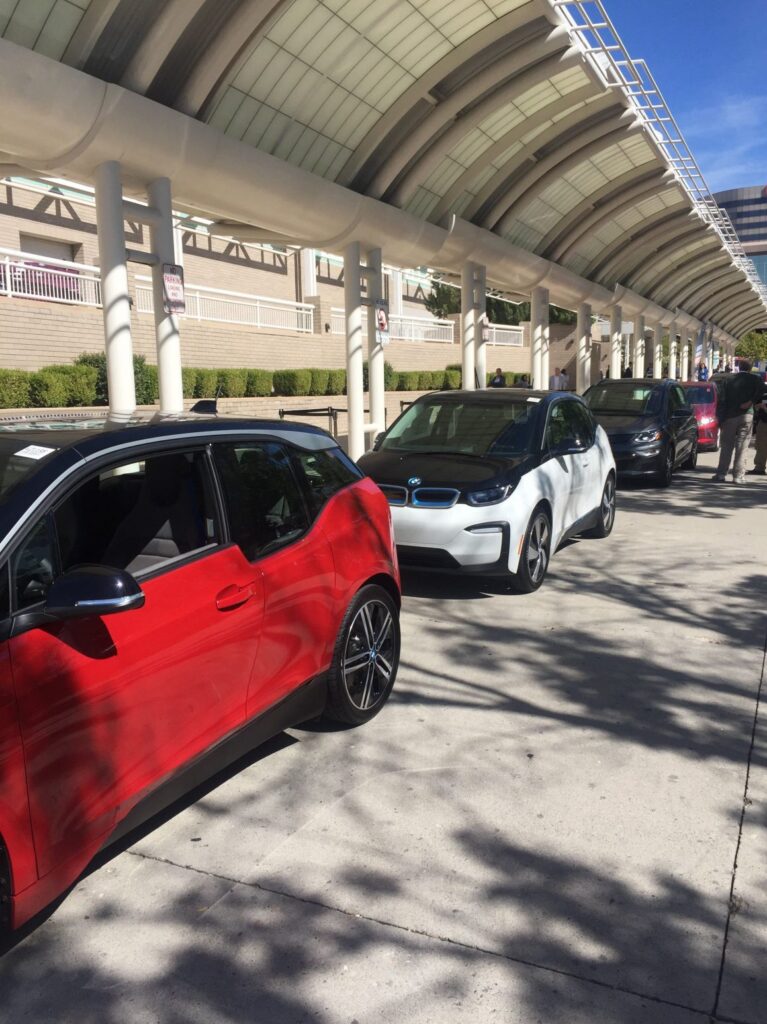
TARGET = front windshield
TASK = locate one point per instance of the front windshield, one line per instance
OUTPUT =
(465, 426)
(632, 398)
(700, 396)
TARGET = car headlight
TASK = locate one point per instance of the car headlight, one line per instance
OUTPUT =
(646, 436)
(489, 496)
(705, 420)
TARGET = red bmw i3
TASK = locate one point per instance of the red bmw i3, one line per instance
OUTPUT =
(174, 592)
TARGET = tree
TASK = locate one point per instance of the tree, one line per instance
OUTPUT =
(444, 300)
(753, 345)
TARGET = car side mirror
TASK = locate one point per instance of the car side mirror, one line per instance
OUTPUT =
(92, 590)
(568, 447)
(684, 410)
(378, 439)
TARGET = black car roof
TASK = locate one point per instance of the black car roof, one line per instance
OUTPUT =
(92, 434)
(500, 394)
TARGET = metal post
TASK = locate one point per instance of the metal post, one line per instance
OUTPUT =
(480, 309)
(375, 347)
(672, 351)
(539, 322)
(166, 324)
(638, 367)
(115, 298)
(583, 360)
(468, 321)
(616, 341)
(354, 385)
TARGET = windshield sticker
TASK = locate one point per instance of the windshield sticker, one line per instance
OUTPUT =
(34, 451)
(533, 399)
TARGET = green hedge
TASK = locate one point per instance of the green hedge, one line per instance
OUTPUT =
(452, 380)
(260, 383)
(14, 389)
(77, 383)
(319, 382)
(232, 383)
(336, 382)
(292, 382)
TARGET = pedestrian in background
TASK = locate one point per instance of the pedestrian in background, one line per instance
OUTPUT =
(735, 411)
(702, 371)
(760, 416)
(555, 380)
(498, 381)
(564, 381)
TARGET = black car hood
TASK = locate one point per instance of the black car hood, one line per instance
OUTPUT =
(626, 422)
(436, 469)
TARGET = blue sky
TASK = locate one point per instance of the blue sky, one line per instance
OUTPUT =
(708, 56)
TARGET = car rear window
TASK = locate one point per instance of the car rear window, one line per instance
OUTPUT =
(701, 396)
(19, 460)
(631, 397)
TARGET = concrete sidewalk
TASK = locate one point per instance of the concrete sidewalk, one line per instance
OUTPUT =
(561, 817)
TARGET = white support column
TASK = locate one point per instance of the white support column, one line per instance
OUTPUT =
(395, 293)
(115, 298)
(638, 366)
(308, 271)
(657, 350)
(539, 337)
(480, 309)
(166, 324)
(616, 341)
(468, 324)
(583, 359)
(355, 393)
(709, 348)
(376, 386)
(672, 351)
(685, 369)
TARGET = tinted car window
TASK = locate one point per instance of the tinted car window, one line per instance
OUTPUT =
(559, 426)
(137, 515)
(19, 460)
(33, 566)
(700, 396)
(324, 474)
(264, 502)
(582, 423)
(631, 397)
(471, 427)
(675, 399)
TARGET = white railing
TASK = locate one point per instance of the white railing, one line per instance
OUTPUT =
(227, 307)
(503, 334)
(404, 328)
(27, 276)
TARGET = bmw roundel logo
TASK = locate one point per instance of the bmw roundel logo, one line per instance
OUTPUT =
(414, 481)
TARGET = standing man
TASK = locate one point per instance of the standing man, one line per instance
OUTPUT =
(564, 381)
(498, 381)
(555, 380)
(760, 457)
(736, 416)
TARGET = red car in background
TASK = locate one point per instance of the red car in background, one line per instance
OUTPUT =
(702, 397)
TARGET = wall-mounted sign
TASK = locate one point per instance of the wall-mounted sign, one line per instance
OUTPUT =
(382, 321)
(173, 288)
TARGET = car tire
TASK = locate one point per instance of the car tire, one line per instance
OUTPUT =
(664, 476)
(536, 552)
(365, 658)
(606, 519)
(692, 459)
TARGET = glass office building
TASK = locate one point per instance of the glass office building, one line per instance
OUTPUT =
(747, 208)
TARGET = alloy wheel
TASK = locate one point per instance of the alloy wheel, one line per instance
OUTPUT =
(537, 553)
(608, 505)
(369, 655)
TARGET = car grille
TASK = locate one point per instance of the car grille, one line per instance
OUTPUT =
(621, 439)
(421, 497)
(434, 497)
(394, 495)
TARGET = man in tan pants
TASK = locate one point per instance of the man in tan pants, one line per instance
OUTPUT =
(735, 410)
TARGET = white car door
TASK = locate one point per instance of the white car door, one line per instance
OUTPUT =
(590, 460)
(561, 473)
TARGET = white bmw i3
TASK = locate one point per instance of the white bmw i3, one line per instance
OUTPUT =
(492, 482)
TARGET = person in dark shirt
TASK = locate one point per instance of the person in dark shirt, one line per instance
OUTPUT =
(735, 409)
(760, 416)
(498, 381)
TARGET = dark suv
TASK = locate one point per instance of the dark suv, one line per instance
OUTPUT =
(651, 427)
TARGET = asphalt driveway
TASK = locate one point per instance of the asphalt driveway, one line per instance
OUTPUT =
(560, 817)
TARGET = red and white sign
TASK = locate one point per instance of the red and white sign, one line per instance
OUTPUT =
(173, 288)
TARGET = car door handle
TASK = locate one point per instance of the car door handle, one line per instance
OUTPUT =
(233, 596)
